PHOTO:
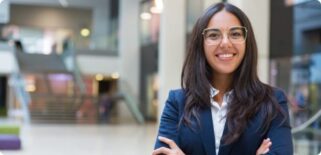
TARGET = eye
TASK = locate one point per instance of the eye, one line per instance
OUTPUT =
(213, 35)
(236, 34)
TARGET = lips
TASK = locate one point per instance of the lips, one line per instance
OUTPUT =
(225, 56)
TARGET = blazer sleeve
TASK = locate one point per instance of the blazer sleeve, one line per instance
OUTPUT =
(169, 121)
(280, 131)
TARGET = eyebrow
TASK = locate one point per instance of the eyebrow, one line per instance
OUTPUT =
(215, 28)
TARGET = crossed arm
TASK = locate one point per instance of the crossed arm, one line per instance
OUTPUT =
(175, 150)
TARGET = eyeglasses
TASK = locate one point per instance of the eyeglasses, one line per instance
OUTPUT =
(214, 36)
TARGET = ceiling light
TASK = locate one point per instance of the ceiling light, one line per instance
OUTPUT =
(84, 32)
(158, 6)
(99, 77)
(30, 88)
(115, 76)
(1, 1)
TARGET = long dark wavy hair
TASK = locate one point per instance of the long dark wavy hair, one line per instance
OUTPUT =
(249, 94)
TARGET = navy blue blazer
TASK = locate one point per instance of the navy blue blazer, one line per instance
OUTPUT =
(199, 140)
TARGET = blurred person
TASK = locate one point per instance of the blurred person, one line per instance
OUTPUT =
(54, 48)
(18, 45)
(223, 108)
(106, 103)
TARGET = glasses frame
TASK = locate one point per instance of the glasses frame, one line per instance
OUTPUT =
(207, 29)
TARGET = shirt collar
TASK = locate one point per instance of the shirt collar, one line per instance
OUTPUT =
(214, 91)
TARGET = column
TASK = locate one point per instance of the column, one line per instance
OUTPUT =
(100, 26)
(129, 54)
(171, 48)
(208, 3)
(128, 41)
(260, 19)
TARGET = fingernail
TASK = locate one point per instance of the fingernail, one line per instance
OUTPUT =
(160, 137)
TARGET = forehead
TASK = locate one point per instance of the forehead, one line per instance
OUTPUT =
(223, 20)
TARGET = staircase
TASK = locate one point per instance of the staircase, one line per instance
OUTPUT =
(60, 94)
(66, 103)
(50, 110)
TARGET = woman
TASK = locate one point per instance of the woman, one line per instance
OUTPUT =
(224, 108)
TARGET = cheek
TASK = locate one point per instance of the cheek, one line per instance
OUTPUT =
(241, 50)
(207, 51)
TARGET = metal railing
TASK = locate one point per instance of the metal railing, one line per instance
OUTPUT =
(307, 123)
(131, 101)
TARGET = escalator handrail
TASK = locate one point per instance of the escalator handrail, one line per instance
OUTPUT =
(307, 123)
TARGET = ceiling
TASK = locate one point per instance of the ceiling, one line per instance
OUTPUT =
(71, 3)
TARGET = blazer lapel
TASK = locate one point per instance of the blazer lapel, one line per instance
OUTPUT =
(225, 149)
(207, 131)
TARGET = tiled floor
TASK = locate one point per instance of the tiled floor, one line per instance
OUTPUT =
(111, 139)
(130, 139)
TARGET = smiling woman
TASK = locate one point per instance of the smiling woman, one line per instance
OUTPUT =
(224, 52)
(223, 108)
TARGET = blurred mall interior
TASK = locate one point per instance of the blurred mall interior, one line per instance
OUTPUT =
(91, 76)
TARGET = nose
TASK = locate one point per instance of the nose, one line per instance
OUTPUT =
(225, 43)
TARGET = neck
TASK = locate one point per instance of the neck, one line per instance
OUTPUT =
(223, 84)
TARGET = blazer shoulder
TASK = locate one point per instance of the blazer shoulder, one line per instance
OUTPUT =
(178, 96)
(279, 94)
(177, 93)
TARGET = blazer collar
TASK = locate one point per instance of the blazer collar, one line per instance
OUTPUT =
(225, 149)
(207, 131)
(207, 134)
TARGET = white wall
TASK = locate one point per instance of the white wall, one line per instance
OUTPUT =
(7, 63)
(92, 64)
(7, 59)
(4, 11)
(50, 17)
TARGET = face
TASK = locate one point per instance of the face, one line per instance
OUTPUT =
(224, 55)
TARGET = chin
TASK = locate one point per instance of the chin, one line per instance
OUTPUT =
(225, 71)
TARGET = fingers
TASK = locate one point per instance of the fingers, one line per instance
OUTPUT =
(169, 142)
(267, 143)
(162, 150)
(265, 147)
(173, 150)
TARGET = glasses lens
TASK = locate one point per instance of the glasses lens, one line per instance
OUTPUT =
(237, 34)
(215, 36)
(212, 36)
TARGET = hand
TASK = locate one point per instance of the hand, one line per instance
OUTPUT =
(265, 147)
(173, 150)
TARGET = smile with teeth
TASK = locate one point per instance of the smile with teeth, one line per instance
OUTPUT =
(225, 55)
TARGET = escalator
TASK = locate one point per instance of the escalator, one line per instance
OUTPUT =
(51, 89)
(307, 136)
(56, 89)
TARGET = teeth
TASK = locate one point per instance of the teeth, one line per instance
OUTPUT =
(225, 55)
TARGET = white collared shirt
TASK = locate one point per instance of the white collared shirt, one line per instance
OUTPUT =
(218, 116)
